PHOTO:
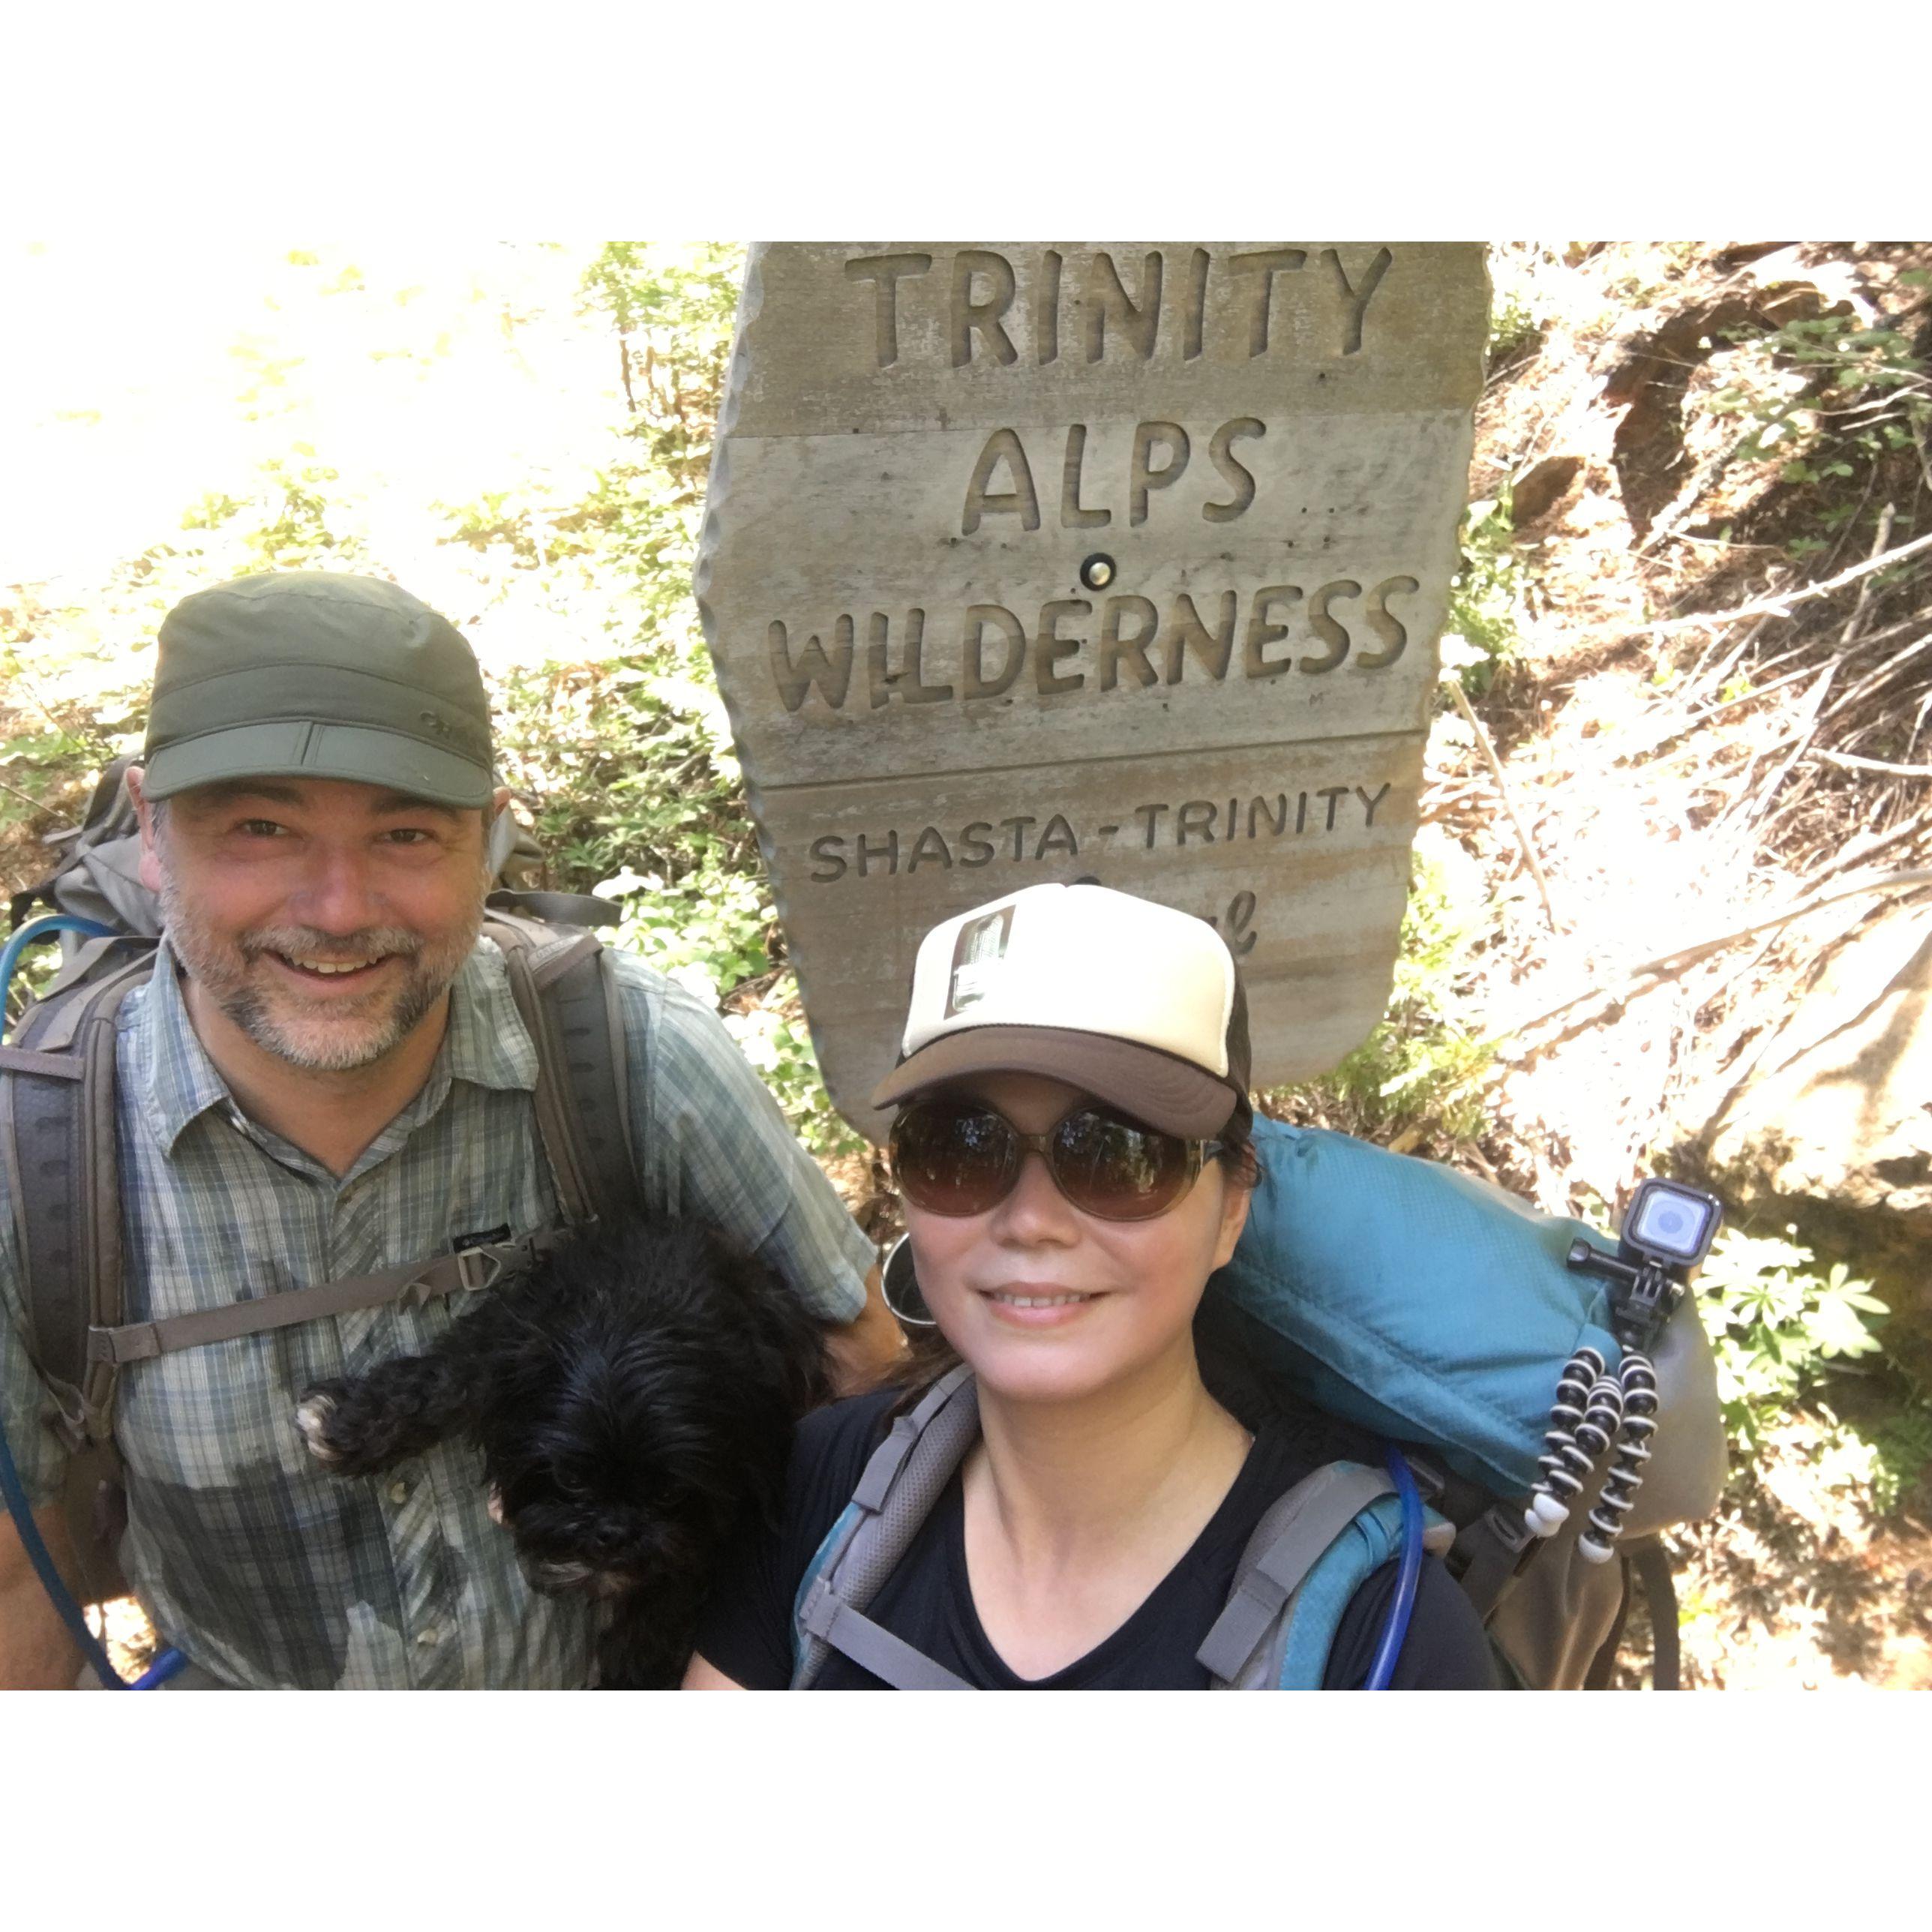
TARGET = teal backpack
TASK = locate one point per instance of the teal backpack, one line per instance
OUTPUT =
(1446, 1316)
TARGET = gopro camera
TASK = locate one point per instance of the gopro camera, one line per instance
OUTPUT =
(1671, 1225)
(1666, 1232)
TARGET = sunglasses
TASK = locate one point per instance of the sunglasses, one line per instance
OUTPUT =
(951, 1157)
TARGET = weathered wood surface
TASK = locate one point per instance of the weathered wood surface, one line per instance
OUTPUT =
(923, 444)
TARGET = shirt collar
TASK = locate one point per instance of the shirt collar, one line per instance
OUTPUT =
(180, 1079)
(487, 1044)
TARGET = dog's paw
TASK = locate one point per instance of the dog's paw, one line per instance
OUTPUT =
(312, 1420)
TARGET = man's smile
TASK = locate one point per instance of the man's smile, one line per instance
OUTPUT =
(315, 974)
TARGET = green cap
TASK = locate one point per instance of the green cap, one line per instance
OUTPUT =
(307, 674)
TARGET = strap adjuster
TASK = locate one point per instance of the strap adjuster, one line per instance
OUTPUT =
(473, 1269)
(478, 1268)
(820, 1607)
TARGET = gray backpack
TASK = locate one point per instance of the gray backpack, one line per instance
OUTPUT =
(1308, 1555)
(58, 1139)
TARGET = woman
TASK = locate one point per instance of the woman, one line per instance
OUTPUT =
(1072, 1149)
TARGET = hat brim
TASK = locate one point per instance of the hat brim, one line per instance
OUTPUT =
(1165, 1091)
(356, 753)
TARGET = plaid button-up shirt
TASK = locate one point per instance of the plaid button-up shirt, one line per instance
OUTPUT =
(246, 1554)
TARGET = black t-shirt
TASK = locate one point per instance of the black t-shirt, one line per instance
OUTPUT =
(928, 1601)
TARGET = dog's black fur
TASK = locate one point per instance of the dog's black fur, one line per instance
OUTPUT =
(633, 1398)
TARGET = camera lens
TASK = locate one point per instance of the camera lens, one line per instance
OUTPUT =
(1672, 1222)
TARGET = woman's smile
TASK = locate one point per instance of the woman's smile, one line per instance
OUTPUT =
(1028, 1305)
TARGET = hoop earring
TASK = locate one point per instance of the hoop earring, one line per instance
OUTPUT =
(899, 1287)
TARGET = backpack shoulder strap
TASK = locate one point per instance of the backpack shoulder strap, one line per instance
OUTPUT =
(470, 1270)
(1309, 1555)
(568, 999)
(895, 1495)
(58, 1139)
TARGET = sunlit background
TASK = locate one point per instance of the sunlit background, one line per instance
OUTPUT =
(1671, 435)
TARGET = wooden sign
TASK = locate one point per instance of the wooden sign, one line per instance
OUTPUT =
(1114, 561)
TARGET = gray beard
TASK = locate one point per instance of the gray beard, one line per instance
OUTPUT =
(223, 978)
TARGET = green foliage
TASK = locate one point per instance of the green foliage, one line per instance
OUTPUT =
(1520, 302)
(1775, 1323)
(50, 755)
(1512, 326)
(688, 295)
(673, 310)
(635, 532)
(621, 764)
(627, 765)
(1828, 401)
(773, 1036)
(288, 520)
(1419, 1076)
(40, 764)
(1488, 601)
(1901, 1453)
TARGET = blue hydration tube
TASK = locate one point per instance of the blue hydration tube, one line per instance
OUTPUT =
(40, 929)
(12, 1490)
(1407, 1577)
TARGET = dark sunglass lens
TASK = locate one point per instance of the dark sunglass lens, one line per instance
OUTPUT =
(1115, 1169)
(951, 1160)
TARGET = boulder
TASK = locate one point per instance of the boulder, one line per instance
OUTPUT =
(1832, 1129)
(1542, 487)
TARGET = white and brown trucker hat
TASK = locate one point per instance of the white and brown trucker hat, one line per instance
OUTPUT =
(1139, 1004)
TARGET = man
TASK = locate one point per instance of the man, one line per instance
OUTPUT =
(326, 1075)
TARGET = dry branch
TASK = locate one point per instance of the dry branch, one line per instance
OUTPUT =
(1861, 609)
(1623, 754)
(1808, 730)
(1859, 850)
(1488, 751)
(1857, 764)
(1873, 680)
(1779, 606)
(1667, 965)
(1698, 681)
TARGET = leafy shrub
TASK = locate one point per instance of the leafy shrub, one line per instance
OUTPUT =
(290, 520)
(1776, 1324)
(1827, 401)
(773, 1035)
(1419, 1075)
(1520, 298)
(51, 755)
(1514, 327)
(1489, 598)
(1901, 1452)
(628, 765)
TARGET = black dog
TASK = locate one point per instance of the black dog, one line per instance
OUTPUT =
(633, 1398)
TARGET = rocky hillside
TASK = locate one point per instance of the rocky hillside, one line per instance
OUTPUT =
(1689, 804)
